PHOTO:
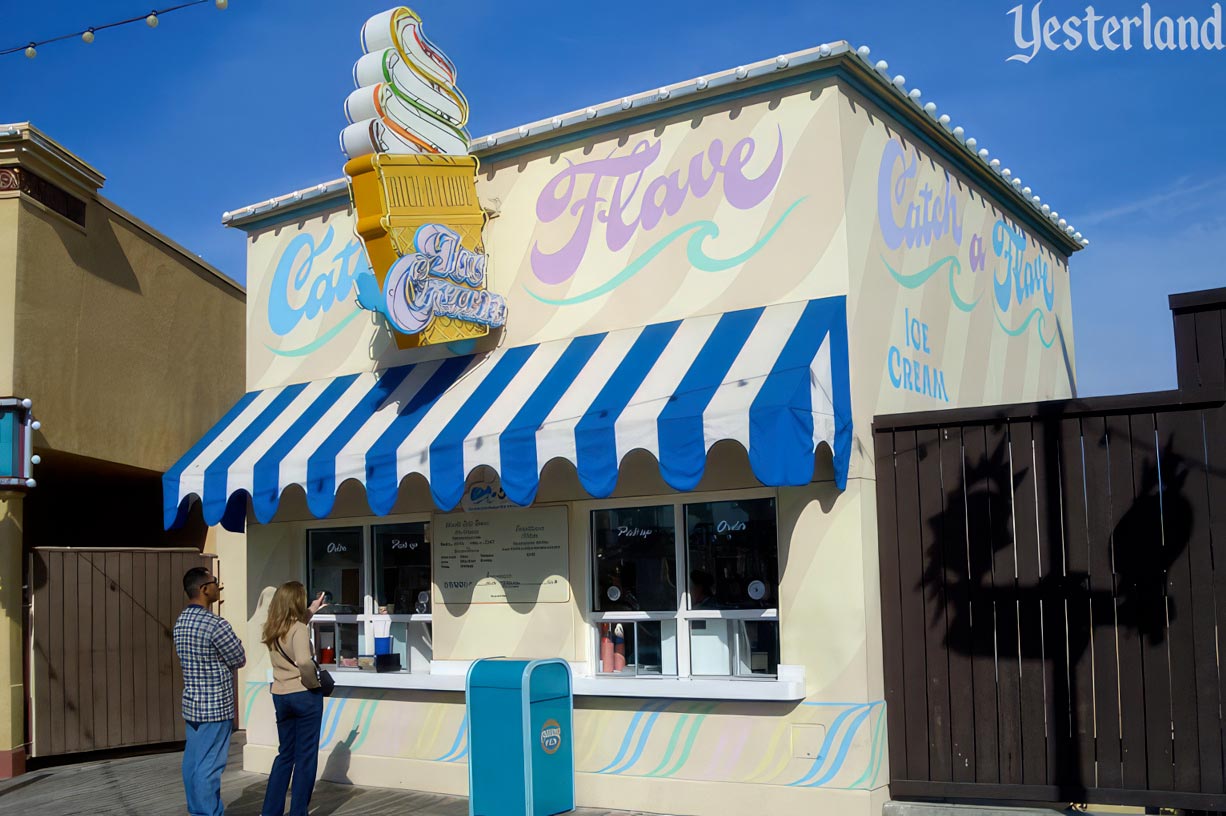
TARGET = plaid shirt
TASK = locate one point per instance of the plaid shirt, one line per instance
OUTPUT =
(209, 652)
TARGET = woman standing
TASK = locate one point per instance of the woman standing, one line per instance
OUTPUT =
(296, 698)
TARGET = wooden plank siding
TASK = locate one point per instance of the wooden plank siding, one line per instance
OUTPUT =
(1069, 590)
(891, 609)
(104, 671)
(954, 559)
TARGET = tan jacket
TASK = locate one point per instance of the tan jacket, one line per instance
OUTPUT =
(300, 675)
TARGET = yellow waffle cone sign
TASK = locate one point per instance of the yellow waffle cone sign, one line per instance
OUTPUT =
(413, 188)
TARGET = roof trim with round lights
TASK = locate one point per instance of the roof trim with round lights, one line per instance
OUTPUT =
(856, 63)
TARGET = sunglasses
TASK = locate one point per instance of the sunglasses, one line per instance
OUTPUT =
(206, 583)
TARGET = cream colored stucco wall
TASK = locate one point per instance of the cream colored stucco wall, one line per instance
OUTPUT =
(692, 748)
(946, 278)
(829, 583)
(129, 349)
(705, 252)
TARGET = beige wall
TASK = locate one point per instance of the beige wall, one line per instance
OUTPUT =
(129, 348)
(828, 615)
(947, 277)
(764, 228)
(836, 144)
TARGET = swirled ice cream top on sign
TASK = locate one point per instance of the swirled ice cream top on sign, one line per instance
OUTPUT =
(407, 100)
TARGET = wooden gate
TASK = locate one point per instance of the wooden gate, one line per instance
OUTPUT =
(1053, 582)
(103, 669)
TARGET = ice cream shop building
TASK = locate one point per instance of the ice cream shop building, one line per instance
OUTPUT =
(601, 388)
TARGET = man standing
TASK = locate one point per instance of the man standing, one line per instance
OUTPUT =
(209, 652)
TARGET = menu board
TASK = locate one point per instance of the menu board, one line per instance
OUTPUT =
(503, 556)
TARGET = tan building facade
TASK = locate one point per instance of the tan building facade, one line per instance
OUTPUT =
(128, 346)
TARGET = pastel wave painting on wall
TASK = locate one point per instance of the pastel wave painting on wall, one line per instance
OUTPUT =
(430, 731)
(994, 265)
(662, 739)
(706, 742)
(633, 192)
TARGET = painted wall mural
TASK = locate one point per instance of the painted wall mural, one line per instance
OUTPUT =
(735, 207)
(628, 192)
(957, 302)
(655, 739)
(910, 213)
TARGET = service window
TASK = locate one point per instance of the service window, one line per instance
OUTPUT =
(336, 567)
(636, 559)
(700, 600)
(732, 553)
(376, 584)
(402, 569)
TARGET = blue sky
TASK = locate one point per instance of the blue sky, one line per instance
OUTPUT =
(214, 110)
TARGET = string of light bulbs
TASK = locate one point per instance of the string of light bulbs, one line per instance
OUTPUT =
(87, 35)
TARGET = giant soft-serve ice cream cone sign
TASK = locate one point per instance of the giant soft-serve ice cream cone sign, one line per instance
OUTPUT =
(413, 186)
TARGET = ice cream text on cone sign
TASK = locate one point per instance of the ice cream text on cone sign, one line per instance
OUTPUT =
(413, 187)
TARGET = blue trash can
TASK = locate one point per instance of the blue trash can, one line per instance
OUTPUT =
(521, 759)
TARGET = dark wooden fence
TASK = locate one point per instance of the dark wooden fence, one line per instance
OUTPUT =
(103, 667)
(1053, 585)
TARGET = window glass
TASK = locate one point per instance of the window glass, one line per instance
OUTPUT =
(334, 560)
(638, 647)
(402, 569)
(734, 647)
(337, 644)
(733, 554)
(636, 559)
(349, 637)
(412, 641)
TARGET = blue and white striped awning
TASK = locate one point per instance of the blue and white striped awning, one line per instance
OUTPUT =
(775, 379)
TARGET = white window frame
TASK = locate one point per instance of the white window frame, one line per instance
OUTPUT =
(369, 616)
(683, 615)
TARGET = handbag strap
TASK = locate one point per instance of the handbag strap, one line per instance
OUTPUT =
(283, 654)
(290, 660)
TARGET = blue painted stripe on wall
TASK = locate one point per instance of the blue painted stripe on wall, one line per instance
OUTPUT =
(844, 747)
(630, 730)
(820, 760)
(642, 743)
(460, 737)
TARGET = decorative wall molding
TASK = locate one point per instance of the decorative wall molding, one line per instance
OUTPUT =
(44, 192)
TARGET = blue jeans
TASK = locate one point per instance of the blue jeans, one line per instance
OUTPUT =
(204, 758)
(299, 716)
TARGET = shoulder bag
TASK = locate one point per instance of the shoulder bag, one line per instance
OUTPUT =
(326, 683)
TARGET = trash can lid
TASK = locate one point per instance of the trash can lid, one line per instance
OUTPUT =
(549, 681)
(546, 679)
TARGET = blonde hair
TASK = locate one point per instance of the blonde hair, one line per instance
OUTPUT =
(288, 606)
